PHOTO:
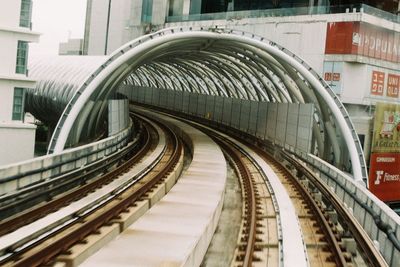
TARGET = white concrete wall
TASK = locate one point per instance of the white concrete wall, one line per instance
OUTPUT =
(120, 11)
(17, 141)
(11, 14)
(16, 138)
(6, 101)
(8, 53)
(71, 47)
(118, 115)
(98, 25)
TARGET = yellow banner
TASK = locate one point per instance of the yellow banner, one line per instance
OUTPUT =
(386, 137)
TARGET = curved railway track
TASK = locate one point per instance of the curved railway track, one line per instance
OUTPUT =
(44, 247)
(261, 232)
(313, 201)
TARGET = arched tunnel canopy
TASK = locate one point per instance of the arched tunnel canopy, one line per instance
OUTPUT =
(212, 61)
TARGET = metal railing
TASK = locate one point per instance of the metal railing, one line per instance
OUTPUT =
(24, 174)
(283, 12)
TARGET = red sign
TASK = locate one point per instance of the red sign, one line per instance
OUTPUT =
(384, 180)
(377, 83)
(332, 76)
(393, 83)
(360, 38)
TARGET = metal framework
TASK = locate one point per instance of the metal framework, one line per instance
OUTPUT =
(212, 61)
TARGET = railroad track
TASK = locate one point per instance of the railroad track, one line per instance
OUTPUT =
(24, 199)
(326, 225)
(38, 248)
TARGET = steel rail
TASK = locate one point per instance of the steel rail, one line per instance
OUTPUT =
(13, 223)
(335, 248)
(370, 252)
(86, 226)
(250, 198)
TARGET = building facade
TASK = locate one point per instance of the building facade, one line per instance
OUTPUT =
(354, 47)
(73, 46)
(17, 138)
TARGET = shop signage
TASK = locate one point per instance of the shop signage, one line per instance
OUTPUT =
(384, 172)
(360, 38)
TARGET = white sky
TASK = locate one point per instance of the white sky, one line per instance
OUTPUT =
(56, 20)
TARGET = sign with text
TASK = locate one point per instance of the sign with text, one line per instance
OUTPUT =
(393, 82)
(333, 75)
(360, 38)
(377, 83)
(384, 178)
(384, 174)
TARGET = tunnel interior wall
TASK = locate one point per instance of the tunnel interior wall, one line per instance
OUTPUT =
(287, 125)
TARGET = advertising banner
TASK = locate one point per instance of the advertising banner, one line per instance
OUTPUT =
(384, 171)
(360, 38)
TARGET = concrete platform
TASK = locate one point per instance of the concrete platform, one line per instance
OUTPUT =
(177, 230)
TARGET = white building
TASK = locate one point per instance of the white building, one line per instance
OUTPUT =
(17, 138)
(356, 48)
(73, 46)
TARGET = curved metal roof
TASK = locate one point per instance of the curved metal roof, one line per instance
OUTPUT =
(213, 61)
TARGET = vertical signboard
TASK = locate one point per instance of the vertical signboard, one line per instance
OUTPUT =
(384, 171)
(377, 83)
(393, 82)
(333, 75)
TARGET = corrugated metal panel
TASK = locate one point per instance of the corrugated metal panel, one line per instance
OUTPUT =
(253, 117)
(227, 111)
(201, 105)
(281, 123)
(304, 131)
(171, 99)
(218, 108)
(155, 97)
(148, 95)
(163, 98)
(178, 97)
(262, 119)
(292, 125)
(185, 102)
(193, 104)
(244, 115)
(235, 115)
(271, 121)
(210, 103)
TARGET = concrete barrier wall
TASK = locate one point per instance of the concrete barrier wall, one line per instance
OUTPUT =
(19, 175)
(366, 208)
(280, 123)
(289, 126)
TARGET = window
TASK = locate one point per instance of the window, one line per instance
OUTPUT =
(18, 105)
(22, 57)
(147, 9)
(26, 13)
